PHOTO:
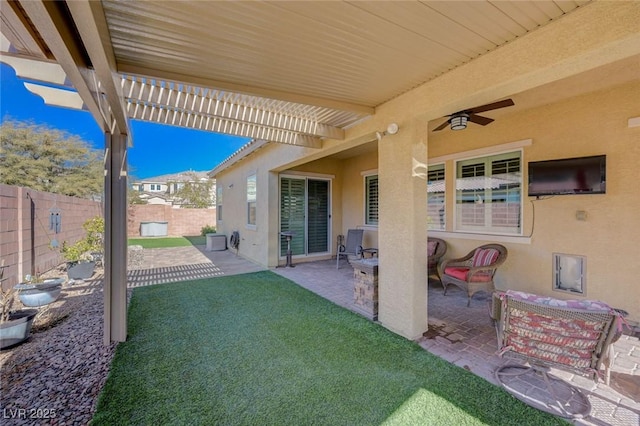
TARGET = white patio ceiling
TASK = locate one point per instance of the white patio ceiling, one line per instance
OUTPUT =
(288, 72)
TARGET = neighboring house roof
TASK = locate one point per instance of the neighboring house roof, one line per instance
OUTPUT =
(146, 195)
(175, 177)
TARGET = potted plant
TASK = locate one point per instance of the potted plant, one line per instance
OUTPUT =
(82, 255)
(36, 291)
(15, 326)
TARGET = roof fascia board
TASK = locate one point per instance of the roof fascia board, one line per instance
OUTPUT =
(246, 89)
(92, 25)
(241, 153)
(20, 33)
(64, 47)
(308, 141)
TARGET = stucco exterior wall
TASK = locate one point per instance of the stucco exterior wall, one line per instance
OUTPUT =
(602, 33)
(353, 196)
(347, 198)
(258, 243)
(590, 124)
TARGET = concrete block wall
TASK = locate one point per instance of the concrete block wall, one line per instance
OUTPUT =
(180, 222)
(18, 229)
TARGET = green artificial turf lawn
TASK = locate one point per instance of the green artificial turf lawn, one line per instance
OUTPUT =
(257, 349)
(166, 242)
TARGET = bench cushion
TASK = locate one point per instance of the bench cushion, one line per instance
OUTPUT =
(589, 305)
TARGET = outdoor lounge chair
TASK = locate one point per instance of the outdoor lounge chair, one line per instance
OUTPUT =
(573, 335)
(436, 248)
(352, 247)
(475, 271)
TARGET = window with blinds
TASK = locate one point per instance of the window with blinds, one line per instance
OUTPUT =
(317, 216)
(371, 200)
(305, 210)
(436, 197)
(219, 202)
(489, 194)
(292, 214)
(251, 200)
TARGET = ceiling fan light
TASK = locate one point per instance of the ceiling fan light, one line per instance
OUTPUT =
(459, 122)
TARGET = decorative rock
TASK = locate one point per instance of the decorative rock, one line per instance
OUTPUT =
(63, 367)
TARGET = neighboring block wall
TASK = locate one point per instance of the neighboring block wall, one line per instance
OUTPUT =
(16, 228)
(180, 222)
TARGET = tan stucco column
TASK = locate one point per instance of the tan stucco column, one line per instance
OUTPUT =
(115, 250)
(402, 230)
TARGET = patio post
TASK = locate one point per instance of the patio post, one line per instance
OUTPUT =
(115, 250)
(402, 231)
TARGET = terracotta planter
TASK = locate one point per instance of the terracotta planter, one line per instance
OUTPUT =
(16, 330)
(80, 270)
(40, 294)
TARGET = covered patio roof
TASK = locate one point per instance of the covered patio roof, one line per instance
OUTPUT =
(297, 73)
(286, 72)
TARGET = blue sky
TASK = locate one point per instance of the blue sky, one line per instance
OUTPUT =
(157, 149)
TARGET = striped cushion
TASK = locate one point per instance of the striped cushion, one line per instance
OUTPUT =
(431, 248)
(484, 257)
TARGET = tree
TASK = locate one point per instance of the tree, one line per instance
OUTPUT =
(46, 159)
(194, 193)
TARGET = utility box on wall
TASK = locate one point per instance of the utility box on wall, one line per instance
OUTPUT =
(154, 229)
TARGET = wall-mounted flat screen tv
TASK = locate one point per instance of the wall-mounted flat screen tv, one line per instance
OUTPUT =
(584, 175)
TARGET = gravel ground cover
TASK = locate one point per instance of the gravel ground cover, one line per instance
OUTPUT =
(55, 377)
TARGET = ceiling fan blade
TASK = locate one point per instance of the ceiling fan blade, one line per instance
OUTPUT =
(442, 126)
(489, 107)
(478, 119)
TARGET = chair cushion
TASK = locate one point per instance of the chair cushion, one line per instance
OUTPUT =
(432, 246)
(459, 273)
(462, 274)
(484, 257)
(589, 305)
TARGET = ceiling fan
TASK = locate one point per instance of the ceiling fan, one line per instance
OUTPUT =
(458, 120)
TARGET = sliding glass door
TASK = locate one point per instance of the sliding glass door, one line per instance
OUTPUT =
(305, 210)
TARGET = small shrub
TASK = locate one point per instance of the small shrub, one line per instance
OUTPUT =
(91, 243)
(208, 229)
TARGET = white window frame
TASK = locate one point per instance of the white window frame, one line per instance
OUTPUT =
(496, 149)
(443, 215)
(366, 175)
(252, 201)
(219, 202)
(486, 229)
